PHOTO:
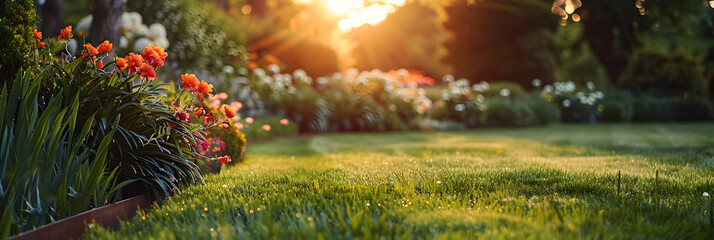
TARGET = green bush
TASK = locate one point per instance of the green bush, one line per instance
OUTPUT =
(660, 73)
(201, 36)
(689, 109)
(544, 112)
(18, 19)
(502, 112)
(647, 108)
(615, 107)
(255, 130)
(514, 90)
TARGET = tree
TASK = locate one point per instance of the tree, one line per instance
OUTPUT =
(501, 40)
(106, 23)
(52, 17)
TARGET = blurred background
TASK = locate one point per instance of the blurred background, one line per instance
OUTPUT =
(594, 60)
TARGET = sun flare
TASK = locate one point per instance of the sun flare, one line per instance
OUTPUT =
(356, 13)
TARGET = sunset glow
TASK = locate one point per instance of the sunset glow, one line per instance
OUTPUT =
(356, 13)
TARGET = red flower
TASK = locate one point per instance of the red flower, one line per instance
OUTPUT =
(134, 62)
(190, 82)
(198, 111)
(40, 44)
(91, 51)
(105, 47)
(154, 55)
(65, 33)
(147, 72)
(224, 159)
(121, 64)
(37, 35)
(182, 116)
(225, 124)
(208, 118)
(228, 110)
(204, 87)
(100, 65)
(204, 145)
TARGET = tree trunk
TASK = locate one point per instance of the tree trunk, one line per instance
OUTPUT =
(52, 18)
(106, 24)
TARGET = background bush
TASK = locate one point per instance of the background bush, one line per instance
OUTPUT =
(18, 19)
(664, 74)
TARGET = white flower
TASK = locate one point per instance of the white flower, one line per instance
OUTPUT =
(460, 107)
(536, 82)
(438, 182)
(548, 88)
(505, 92)
(156, 31)
(566, 103)
(705, 194)
(228, 69)
(225, 186)
(590, 85)
(448, 78)
(274, 68)
(84, 24)
(322, 80)
(123, 42)
(141, 43)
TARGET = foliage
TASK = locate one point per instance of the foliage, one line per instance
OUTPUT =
(615, 107)
(647, 108)
(257, 130)
(17, 21)
(201, 36)
(552, 182)
(506, 40)
(504, 112)
(664, 74)
(687, 109)
(48, 171)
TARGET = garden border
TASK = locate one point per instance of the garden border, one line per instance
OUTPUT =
(75, 226)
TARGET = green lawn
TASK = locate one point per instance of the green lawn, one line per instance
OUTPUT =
(543, 183)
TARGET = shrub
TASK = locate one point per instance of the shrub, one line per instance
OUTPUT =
(17, 21)
(277, 128)
(664, 74)
(502, 112)
(615, 107)
(689, 109)
(544, 112)
(647, 108)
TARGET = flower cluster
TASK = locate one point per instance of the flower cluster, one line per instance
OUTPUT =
(38, 39)
(144, 65)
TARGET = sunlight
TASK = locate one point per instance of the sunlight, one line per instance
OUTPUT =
(356, 13)
(342, 6)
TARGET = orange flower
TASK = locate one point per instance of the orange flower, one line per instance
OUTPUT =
(154, 55)
(251, 66)
(266, 127)
(100, 65)
(134, 62)
(284, 121)
(249, 120)
(228, 110)
(204, 87)
(121, 64)
(224, 159)
(190, 82)
(40, 45)
(105, 47)
(147, 72)
(65, 33)
(37, 35)
(198, 111)
(90, 49)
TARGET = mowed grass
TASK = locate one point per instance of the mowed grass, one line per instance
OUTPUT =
(556, 182)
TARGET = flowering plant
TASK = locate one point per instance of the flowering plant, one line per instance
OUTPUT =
(157, 142)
